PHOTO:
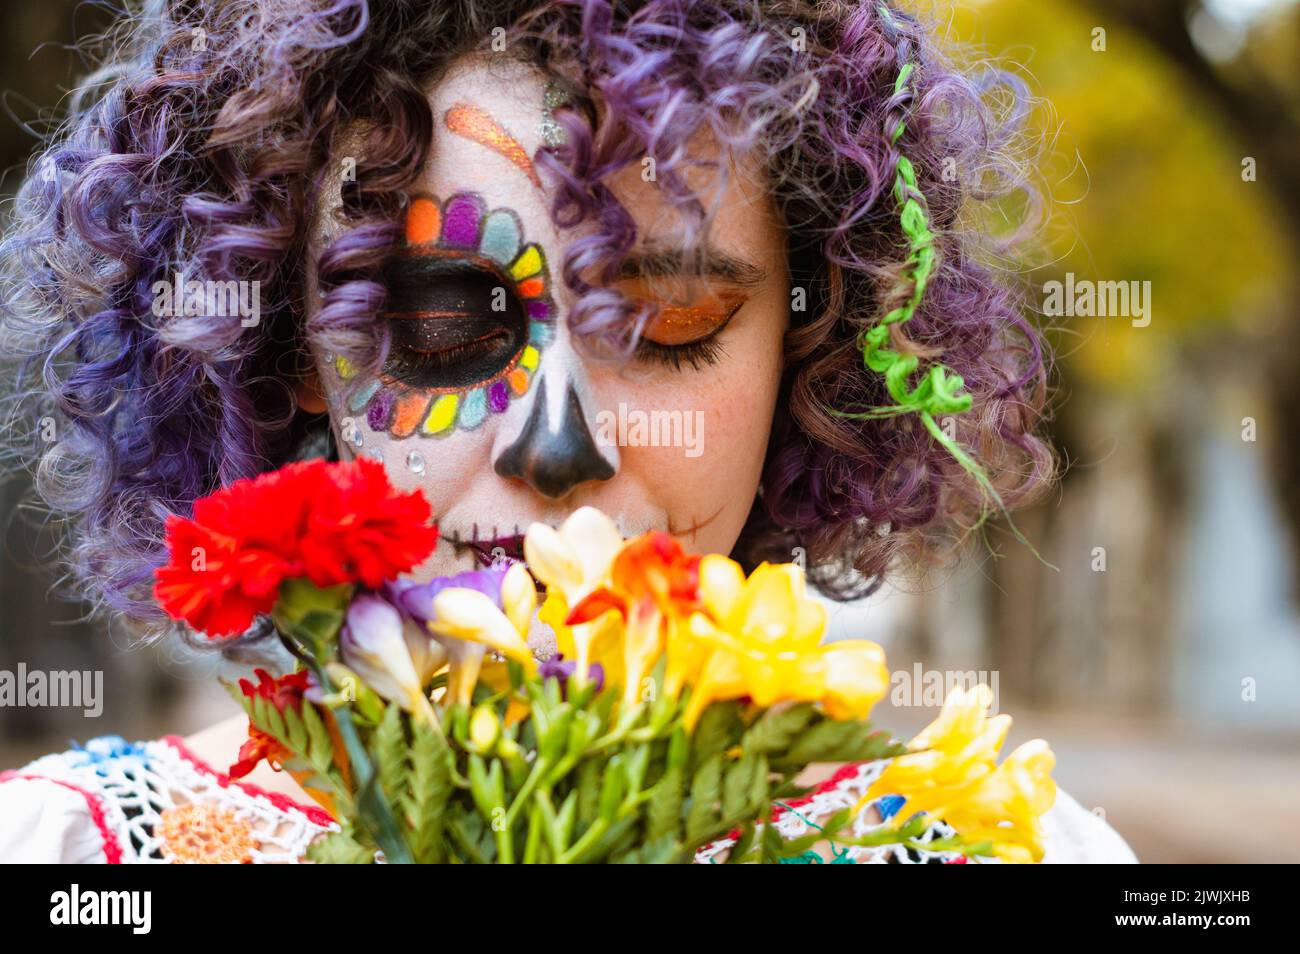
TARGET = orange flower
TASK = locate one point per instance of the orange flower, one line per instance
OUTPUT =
(653, 585)
(283, 692)
(259, 746)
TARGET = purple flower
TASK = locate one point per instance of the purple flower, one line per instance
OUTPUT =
(416, 599)
(393, 657)
(557, 668)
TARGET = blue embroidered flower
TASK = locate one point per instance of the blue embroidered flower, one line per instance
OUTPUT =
(888, 806)
(106, 748)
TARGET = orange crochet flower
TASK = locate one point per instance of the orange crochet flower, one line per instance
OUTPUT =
(204, 834)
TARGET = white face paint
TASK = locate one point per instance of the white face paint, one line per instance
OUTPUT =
(674, 439)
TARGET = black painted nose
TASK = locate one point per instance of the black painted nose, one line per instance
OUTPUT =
(553, 462)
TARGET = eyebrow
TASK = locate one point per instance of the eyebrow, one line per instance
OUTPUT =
(708, 262)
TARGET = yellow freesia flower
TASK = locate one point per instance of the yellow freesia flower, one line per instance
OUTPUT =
(572, 562)
(853, 677)
(951, 773)
(1006, 806)
(763, 640)
(596, 642)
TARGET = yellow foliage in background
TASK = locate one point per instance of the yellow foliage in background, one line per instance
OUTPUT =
(1145, 180)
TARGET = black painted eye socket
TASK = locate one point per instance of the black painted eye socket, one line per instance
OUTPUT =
(455, 323)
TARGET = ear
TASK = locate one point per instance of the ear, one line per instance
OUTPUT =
(307, 392)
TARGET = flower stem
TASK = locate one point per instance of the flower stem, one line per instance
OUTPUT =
(371, 804)
(539, 769)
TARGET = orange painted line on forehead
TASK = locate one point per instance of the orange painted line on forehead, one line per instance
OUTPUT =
(472, 123)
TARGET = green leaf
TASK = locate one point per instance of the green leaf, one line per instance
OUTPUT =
(430, 788)
(777, 729)
(664, 811)
(718, 727)
(772, 844)
(339, 848)
(613, 786)
(566, 818)
(657, 852)
(589, 773)
(741, 848)
(257, 712)
(310, 613)
(468, 832)
(706, 790)
(761, 783)
(388, 747)
(298, 741)
(833, 741)
(736, 786)
(602, 846)
(321, 746)
(275, 723)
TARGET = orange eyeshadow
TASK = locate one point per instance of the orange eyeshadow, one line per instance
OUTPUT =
(678, 325)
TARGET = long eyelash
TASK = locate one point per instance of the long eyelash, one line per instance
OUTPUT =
(707, 351)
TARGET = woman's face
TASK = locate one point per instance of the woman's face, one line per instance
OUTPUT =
(486, 404)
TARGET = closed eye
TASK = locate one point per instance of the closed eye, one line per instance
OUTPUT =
(454, 322)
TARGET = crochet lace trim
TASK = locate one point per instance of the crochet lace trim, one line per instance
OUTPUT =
(157, 803)
(797, 817)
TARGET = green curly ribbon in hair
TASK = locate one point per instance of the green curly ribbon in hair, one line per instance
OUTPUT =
(939, 392)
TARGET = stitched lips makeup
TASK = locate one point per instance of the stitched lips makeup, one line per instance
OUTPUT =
(470, 310)
(487, 550)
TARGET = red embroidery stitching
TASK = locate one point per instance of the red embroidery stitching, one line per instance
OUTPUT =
(281, 801)
(844, 773)
(112, 848)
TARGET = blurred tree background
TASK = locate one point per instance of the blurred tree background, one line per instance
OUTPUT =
(146, 691)
(1163, 659)
(1167, 675)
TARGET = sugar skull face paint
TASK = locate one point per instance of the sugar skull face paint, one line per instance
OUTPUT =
(490, 475)
(470, 309)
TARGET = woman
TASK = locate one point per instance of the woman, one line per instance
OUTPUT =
(683, 262)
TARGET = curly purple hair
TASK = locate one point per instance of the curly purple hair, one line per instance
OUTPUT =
(206, 140)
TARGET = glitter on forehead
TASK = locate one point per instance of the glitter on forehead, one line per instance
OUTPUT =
(552, 132)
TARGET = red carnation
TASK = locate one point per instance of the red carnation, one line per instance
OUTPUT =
(360, 530)
(332, 523)
(213, 583)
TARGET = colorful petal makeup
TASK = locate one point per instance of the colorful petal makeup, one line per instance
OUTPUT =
(470, 309)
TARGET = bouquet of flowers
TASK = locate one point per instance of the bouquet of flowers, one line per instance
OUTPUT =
(673, 723)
